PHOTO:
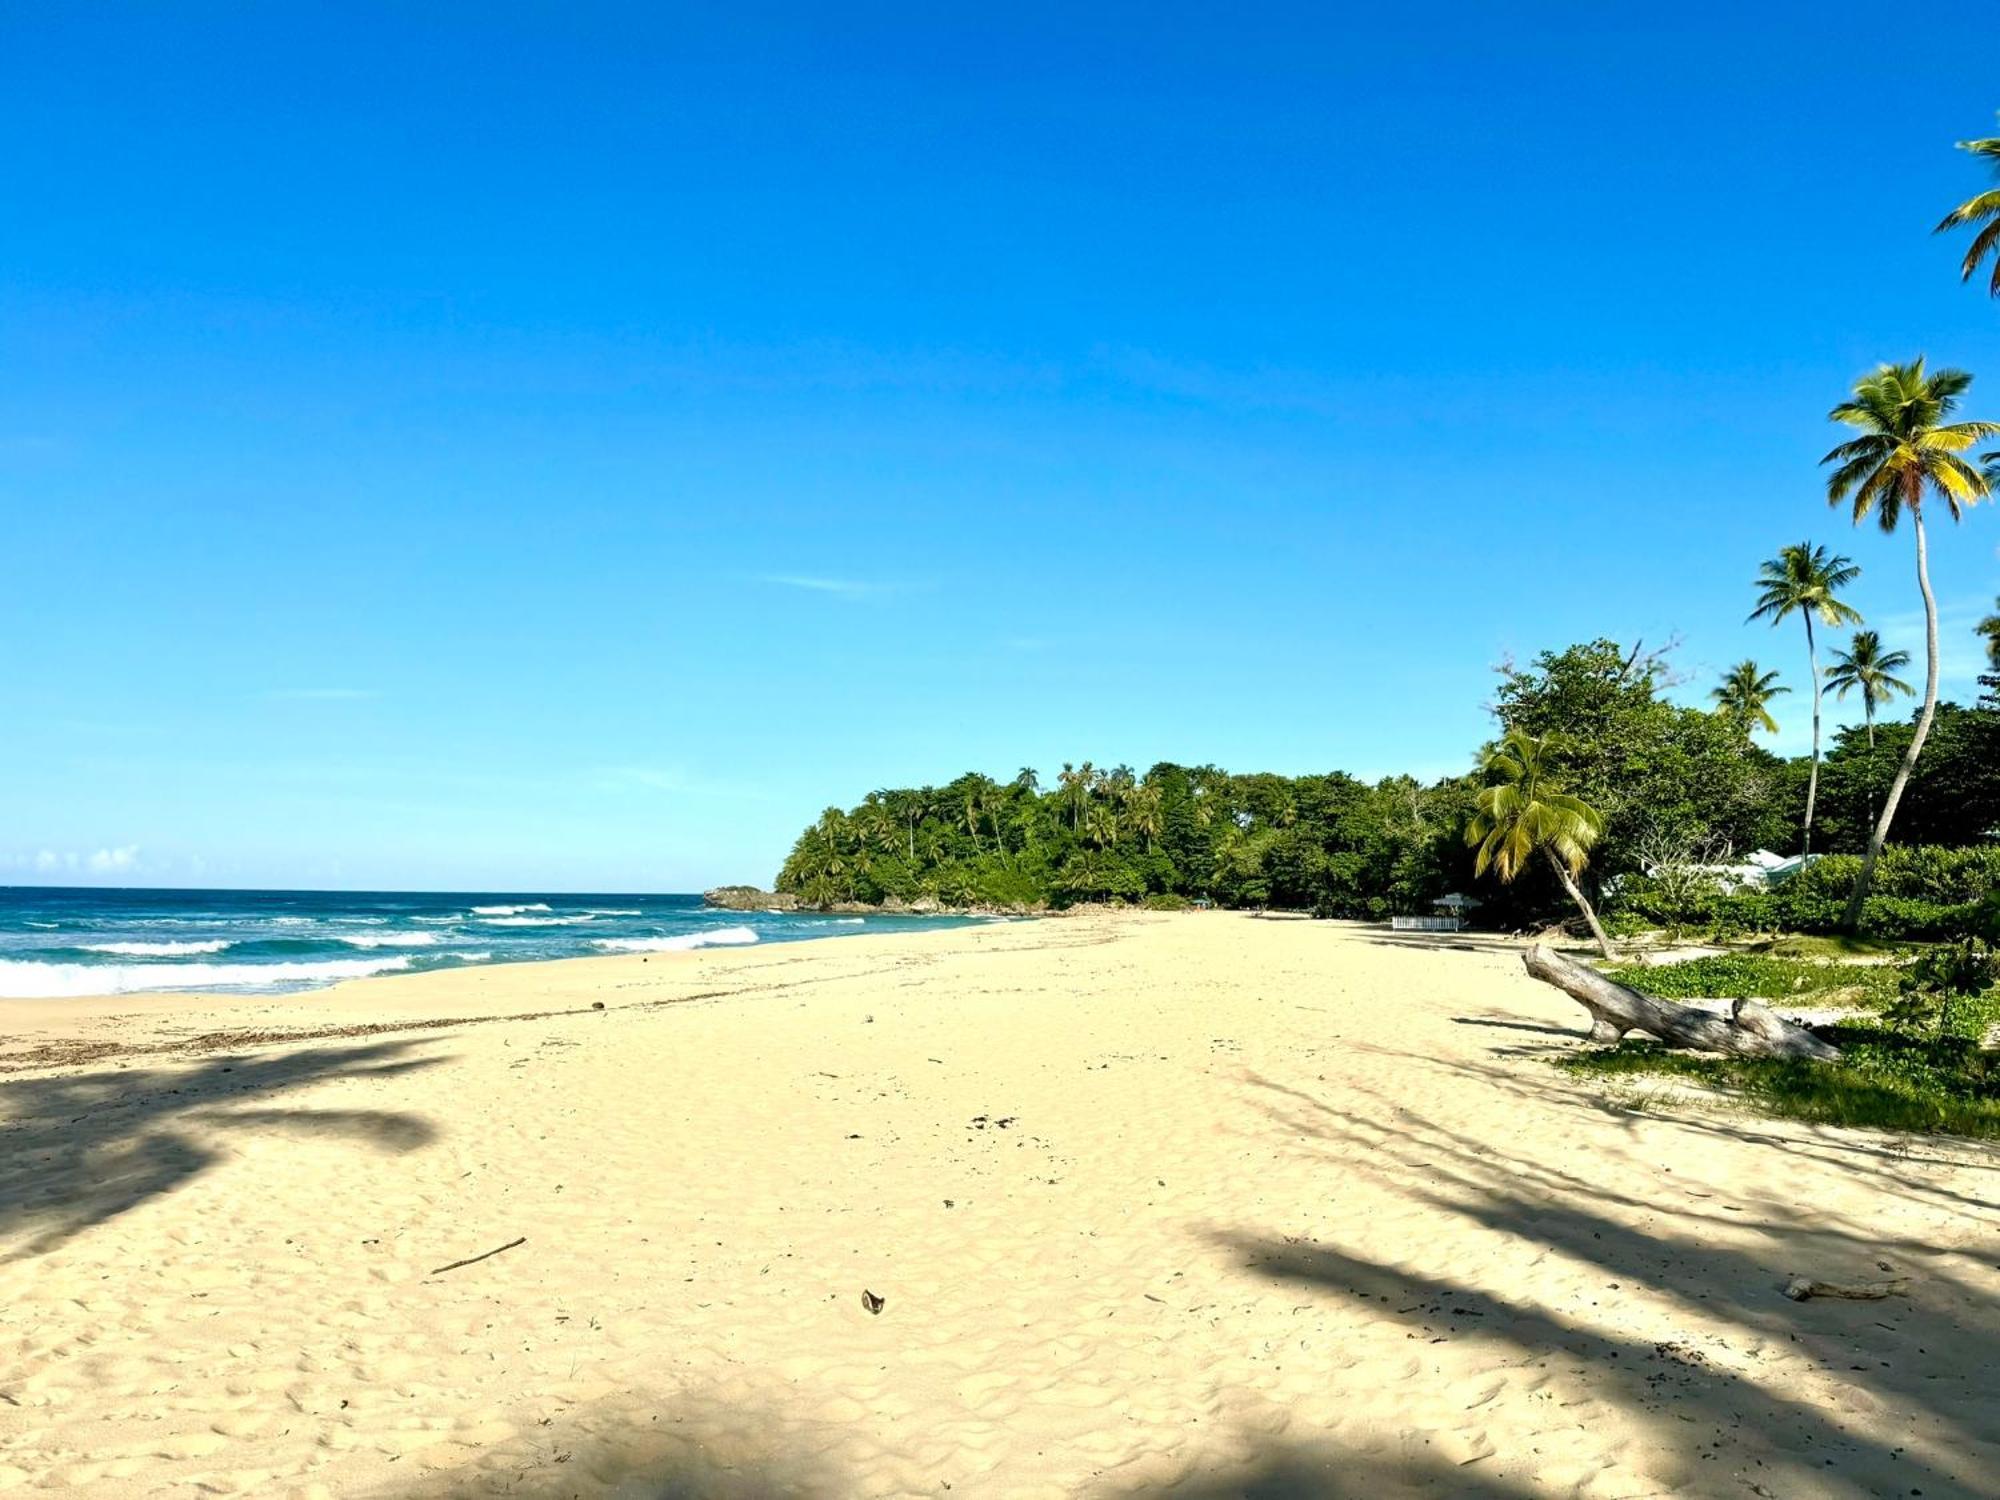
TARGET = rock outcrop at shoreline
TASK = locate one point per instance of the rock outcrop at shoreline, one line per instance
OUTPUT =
(749, 898)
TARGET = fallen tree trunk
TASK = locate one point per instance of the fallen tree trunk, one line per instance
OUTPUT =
(1750, 1029)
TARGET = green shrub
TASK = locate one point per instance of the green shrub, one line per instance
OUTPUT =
(1754, 976)
(1165, 901)
(1887, 1079)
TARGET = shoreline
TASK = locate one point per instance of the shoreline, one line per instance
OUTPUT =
(571, 984)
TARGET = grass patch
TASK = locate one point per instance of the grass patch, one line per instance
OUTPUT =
(1835, 947)
(1886, 1081)
(1758, 976)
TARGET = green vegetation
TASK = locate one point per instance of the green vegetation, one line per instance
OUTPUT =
(1920, 1064)
(1524, 812)
(1745, 696)
(1758, 976)
(1674, 788)
(1329, 844)
(1887, 1080)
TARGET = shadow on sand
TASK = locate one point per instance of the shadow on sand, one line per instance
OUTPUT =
(77, 1150)
(1721, 1429)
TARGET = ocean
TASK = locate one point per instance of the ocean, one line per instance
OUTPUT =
(67, 941)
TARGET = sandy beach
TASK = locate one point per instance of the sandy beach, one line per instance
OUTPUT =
(1199, 1205)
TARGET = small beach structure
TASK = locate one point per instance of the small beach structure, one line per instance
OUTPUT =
(1448, 914)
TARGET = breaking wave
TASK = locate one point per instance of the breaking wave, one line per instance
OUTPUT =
(21, 980)
(721, 937)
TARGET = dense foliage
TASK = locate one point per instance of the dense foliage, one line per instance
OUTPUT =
(1330, 843)
(1674, 785)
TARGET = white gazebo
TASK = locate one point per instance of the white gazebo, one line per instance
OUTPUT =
(1448, 915)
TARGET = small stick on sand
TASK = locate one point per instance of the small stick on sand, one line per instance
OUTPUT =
(471, 1259)
(1800, 1288)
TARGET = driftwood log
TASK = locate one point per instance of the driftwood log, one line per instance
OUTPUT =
(1749, 1029)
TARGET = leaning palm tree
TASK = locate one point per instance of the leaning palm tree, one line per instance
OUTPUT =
(1745, 697)
(1525, 813)
(1866, 666)
(1803, 580)
(1906, 450)
(1980, 208)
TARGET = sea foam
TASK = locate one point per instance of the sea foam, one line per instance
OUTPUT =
(508, 911)
(157, 950)
(721, 937)
(22, 980)
(390, 940)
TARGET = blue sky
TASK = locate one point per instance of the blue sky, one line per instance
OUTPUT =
(566, 447)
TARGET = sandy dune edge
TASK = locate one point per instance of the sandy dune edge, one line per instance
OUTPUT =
(1197, 1205)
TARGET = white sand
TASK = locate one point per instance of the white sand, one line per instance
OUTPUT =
(1196, 1205)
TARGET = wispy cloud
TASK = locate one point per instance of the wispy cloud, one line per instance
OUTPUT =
(321, 694)
(672, 780)
(853, 589)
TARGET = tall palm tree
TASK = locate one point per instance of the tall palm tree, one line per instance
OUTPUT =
(1980, 208)
(1804, 580)
(1745, 696)
(1525, 813)
(1990, 628)
(1907, 449)
(1866, 666)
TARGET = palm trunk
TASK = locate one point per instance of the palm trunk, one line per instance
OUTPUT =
(1852, 920)
(1870, 707)
(1583, 905)
(1812, 782)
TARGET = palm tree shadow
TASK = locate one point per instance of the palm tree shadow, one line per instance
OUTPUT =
(79, 1150)
(641, 1445)
(1694, 1407)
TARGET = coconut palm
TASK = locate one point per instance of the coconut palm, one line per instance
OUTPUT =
(1864, 665)
(1866, 668)
(1804, 580)
(1143, 812)
(1745, 697)
(1100, 824)
(1907, 450)
(1980, 208)
(1525, 813)
(1990, 628)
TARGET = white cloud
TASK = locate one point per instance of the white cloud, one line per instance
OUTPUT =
(112, 861)
(839, 588)
(108, 861)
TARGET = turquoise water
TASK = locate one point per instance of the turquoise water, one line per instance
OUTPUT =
(57, 942)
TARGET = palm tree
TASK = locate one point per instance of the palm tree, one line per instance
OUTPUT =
(1803, 580)
(1100, 825)
(1990, 628)
(1745, 697)
(1906, 449)
(1980, 208)
(1865, 665)
(1525, 813)
(1142, 812)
